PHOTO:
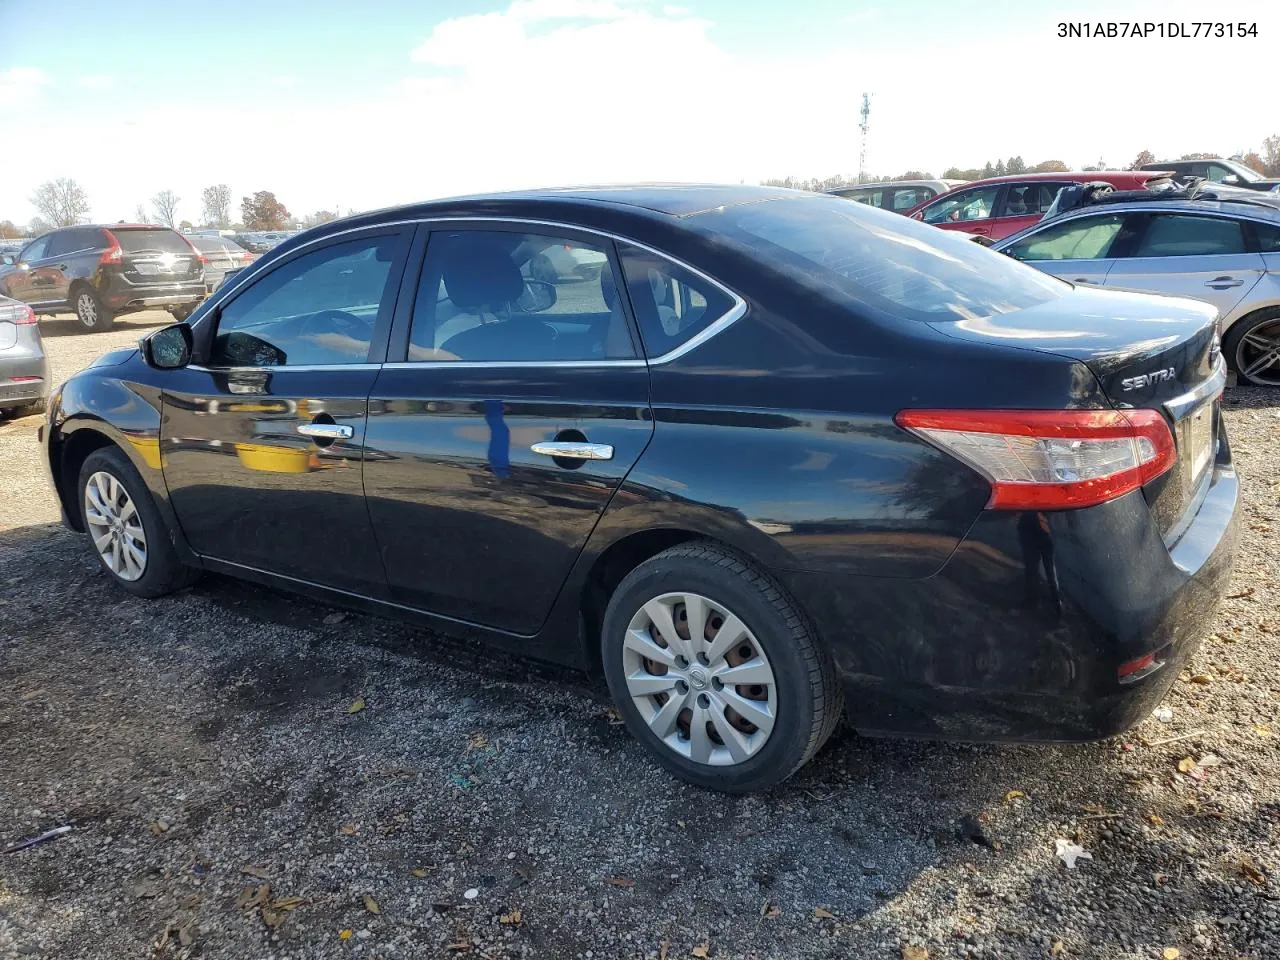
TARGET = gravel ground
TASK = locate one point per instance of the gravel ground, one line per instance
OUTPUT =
(227, 802)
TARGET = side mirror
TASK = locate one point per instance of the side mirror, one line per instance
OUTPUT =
(169, 348)
(538, 296)
(8, 259)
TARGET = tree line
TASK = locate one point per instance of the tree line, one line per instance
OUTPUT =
(63, 203)
(1266, 162)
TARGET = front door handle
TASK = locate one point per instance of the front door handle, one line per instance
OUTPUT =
(327, 431)
(1221, 283)
(1086, 280)
(574, 450)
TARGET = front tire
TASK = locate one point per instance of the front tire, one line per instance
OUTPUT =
(1252, 348)
(715, 670)
(91, 311)
(125, 530)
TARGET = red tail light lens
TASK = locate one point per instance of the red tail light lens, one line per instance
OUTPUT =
(204, 260)
(113, 253)
(27, 316)
(1051, 459)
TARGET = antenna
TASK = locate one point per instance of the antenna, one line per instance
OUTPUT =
(865, 113)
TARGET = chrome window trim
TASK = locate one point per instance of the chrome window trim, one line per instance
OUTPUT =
(301, 368)
(731, 316)
(1180, 406)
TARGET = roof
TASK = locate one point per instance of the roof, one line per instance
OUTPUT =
(1070, 174)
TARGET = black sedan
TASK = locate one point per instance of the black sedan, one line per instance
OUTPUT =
(785, 458)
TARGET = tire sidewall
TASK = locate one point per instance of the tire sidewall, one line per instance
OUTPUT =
(786, 748)
(102, 319)
(161, 558)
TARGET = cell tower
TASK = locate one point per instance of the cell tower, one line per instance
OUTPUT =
(865, 112)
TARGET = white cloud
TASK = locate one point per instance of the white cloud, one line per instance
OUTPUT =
(96, 81)
(19, 84)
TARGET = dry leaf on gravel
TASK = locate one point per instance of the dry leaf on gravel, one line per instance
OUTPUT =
(356, 705)
(770, 910)
(477, 741)
(1246, 592)
(1252, 872)
(1186, 765)
(371, 904)
(1262, 729)
(625, 882)
(663, 948)
(287, 903)
(349, 829)
(262, 873)
(512, 918)
(1170, 953)
(912, 952)
(1203, 679)
(418, 872)
(822, 913)
(1013, 795)
(345, 934)
(701, 950)
(251, 897)
(158, 827)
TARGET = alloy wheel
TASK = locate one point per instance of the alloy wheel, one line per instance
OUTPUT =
(1258, 354)
(700, 679)
(87, 309)
(114, 524)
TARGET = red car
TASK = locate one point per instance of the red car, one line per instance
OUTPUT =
(1001, 206)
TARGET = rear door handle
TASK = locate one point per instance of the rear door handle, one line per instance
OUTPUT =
(574, 450)
(1221, 283)
(327, 431)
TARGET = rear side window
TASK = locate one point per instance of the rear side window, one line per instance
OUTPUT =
(151, 241)
(904, 198)
(672, 304)
(206, 244)
(1087, 238)
(1029, 199)
(1188, 235)
(1268, 237)
(320, 308)
(889, 263)
(73, 241)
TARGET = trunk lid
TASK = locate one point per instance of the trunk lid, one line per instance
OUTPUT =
(1158, 353)
(157, 255)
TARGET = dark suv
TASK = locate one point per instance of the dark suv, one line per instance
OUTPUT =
(102, 272)
(1231, 172)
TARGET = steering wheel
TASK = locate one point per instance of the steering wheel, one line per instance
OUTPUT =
(336, 321)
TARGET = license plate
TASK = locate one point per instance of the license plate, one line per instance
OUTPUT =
(1197, 433)
(149, 269)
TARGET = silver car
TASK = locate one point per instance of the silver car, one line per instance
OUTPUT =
(1225, 252)
(24, 369)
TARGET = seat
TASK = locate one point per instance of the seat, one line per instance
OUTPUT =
(481, 278)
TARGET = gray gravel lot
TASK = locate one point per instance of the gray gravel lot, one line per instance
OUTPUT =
(227, 802)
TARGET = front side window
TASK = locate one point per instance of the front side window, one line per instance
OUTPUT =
(889, 263)
(35, 250)
(962, 206)
(1188, 235)
(672, 304)
(1087, 238)
(320, 308)
(1268, 237)
(488, 296)
(1029, 199)
(904, 198)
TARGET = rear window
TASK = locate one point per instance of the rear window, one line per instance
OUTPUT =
(207, 244)
(146, 241)
(897, 266)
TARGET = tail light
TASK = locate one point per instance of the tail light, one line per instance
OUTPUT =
(113, 253)
(1051, 459)
(203, 259)
(27, 316)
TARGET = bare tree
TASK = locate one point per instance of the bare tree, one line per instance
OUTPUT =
(62, 201)
(1142, 159)
(1271, 155)
(38, 226)
(140, 215)
(165, 204)
(217, 205)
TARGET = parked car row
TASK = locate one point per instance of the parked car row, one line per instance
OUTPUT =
(769, 459)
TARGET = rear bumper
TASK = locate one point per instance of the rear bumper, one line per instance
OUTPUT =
(24, 391)
(121, 295)
(1022, 634)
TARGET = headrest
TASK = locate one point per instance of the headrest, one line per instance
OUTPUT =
(479, 272)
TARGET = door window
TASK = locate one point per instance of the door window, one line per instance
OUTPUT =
(1029, 199)
(904, 198)
(1268, 238)
(672, 304)
(1188, 235)
(962, 206)
(489, 296)
(320, 308)
(35, 250)
(1085, 238)
(64, 241)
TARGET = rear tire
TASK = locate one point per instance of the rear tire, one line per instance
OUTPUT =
(1250, 341)
(91, 311)
(124, 528)
(781, 676)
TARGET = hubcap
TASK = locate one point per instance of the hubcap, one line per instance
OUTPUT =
(115, 526)
(87, 309)
(1258, 354)
(700, 679)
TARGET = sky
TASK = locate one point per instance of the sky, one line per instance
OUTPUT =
(356, 105)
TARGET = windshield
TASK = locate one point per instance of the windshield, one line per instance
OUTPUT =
(1247, 174)
(895, 265)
